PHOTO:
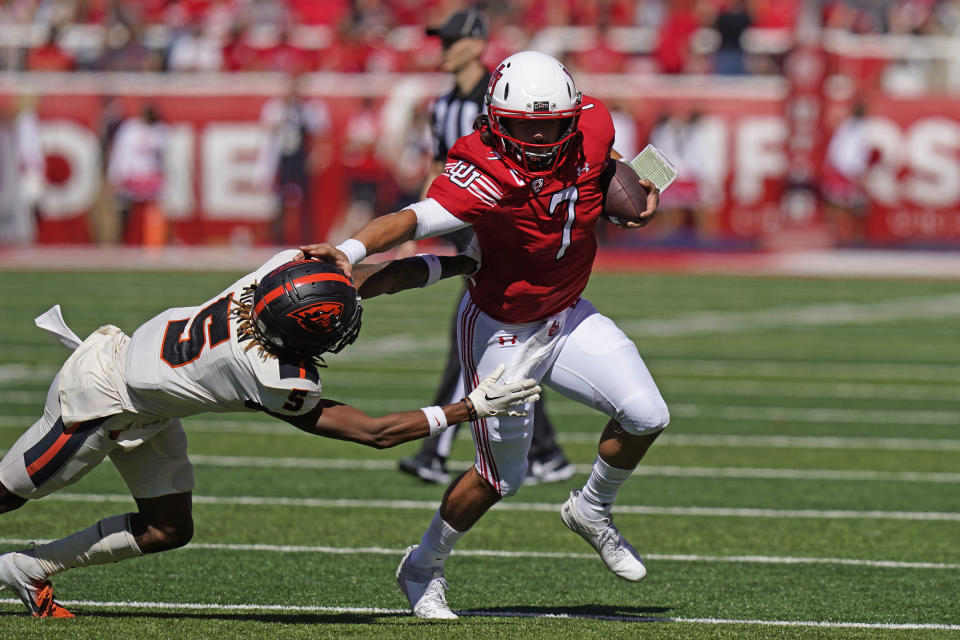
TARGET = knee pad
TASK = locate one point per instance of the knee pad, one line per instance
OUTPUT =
(508, 481)
(511, 481)
(641, 414)
(502, 453)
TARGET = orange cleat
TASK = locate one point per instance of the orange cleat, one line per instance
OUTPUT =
(45, 606)
(21, 572)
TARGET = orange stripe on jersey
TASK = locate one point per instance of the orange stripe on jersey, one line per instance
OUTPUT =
(291, 370)
(315, 277)
(57, 446)
(49, 453)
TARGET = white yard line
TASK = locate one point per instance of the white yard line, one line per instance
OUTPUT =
(667, 439)
(793, 389)
(796, 316)
(837, 417)
(857, 371)
(751, 413)
(591, 437)
(721, 512)
(674, 471)
(816, 415)
(548, 555)
(909, 372)
(23, 397)
(790, 442)
(559, 614)
(675, 387)
(647, 470)
(26, 373)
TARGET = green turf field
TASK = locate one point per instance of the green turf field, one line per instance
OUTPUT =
(807, 486)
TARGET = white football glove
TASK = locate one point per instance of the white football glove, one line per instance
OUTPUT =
(492, 398)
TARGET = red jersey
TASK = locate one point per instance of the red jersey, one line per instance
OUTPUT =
(535, 234)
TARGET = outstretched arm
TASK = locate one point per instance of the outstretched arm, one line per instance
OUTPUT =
(393, 276)
(343, 422)
(423, 219)
(377, 235)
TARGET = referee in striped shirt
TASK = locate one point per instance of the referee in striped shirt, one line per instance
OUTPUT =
(464, 38)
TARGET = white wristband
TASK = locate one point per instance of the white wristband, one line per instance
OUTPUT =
(433, 268)
(436, 418)
(354, 249)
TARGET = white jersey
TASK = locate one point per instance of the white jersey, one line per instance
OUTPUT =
(188, 360)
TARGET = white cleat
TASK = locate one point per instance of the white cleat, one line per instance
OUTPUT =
(22, 573)
(425, 590)
(617, 554)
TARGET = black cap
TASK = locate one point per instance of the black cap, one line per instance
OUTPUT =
(462, 24)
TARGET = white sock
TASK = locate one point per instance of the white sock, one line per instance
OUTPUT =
(598, 494)
(437, 543)
(110, 540)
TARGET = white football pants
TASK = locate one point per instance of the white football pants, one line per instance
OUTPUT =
(577, 352)
(151, 457)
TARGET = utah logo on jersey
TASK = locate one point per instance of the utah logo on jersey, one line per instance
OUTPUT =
(318, 318)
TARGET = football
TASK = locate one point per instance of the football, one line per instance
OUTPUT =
(624, 198)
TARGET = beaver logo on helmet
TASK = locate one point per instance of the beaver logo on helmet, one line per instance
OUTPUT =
(305, 308)
(320, 317)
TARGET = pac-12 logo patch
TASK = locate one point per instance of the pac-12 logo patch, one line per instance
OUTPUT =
(318, 318)
(553, 329)
(537, 185)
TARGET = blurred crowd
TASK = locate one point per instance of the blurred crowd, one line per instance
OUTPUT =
(378, 172)
(656, 36)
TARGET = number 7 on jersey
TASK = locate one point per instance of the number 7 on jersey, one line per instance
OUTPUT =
(568, 195)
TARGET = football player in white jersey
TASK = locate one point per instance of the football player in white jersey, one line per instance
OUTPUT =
(255, 346)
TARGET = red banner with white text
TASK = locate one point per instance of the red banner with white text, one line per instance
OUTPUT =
(741, 159)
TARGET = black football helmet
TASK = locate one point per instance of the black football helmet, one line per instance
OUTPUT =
(306, 307)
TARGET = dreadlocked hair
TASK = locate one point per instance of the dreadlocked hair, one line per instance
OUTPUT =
(247, 331)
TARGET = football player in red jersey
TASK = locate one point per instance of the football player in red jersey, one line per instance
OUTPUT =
(256, 346)
(528, 181)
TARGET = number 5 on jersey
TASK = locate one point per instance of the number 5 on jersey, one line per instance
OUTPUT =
(211, 325)
(295, 400)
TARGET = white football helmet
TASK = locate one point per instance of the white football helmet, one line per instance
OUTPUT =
(532, 85)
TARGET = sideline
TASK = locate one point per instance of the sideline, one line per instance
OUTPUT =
(839, 263)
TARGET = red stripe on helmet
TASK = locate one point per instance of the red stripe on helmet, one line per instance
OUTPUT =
(315, 277)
